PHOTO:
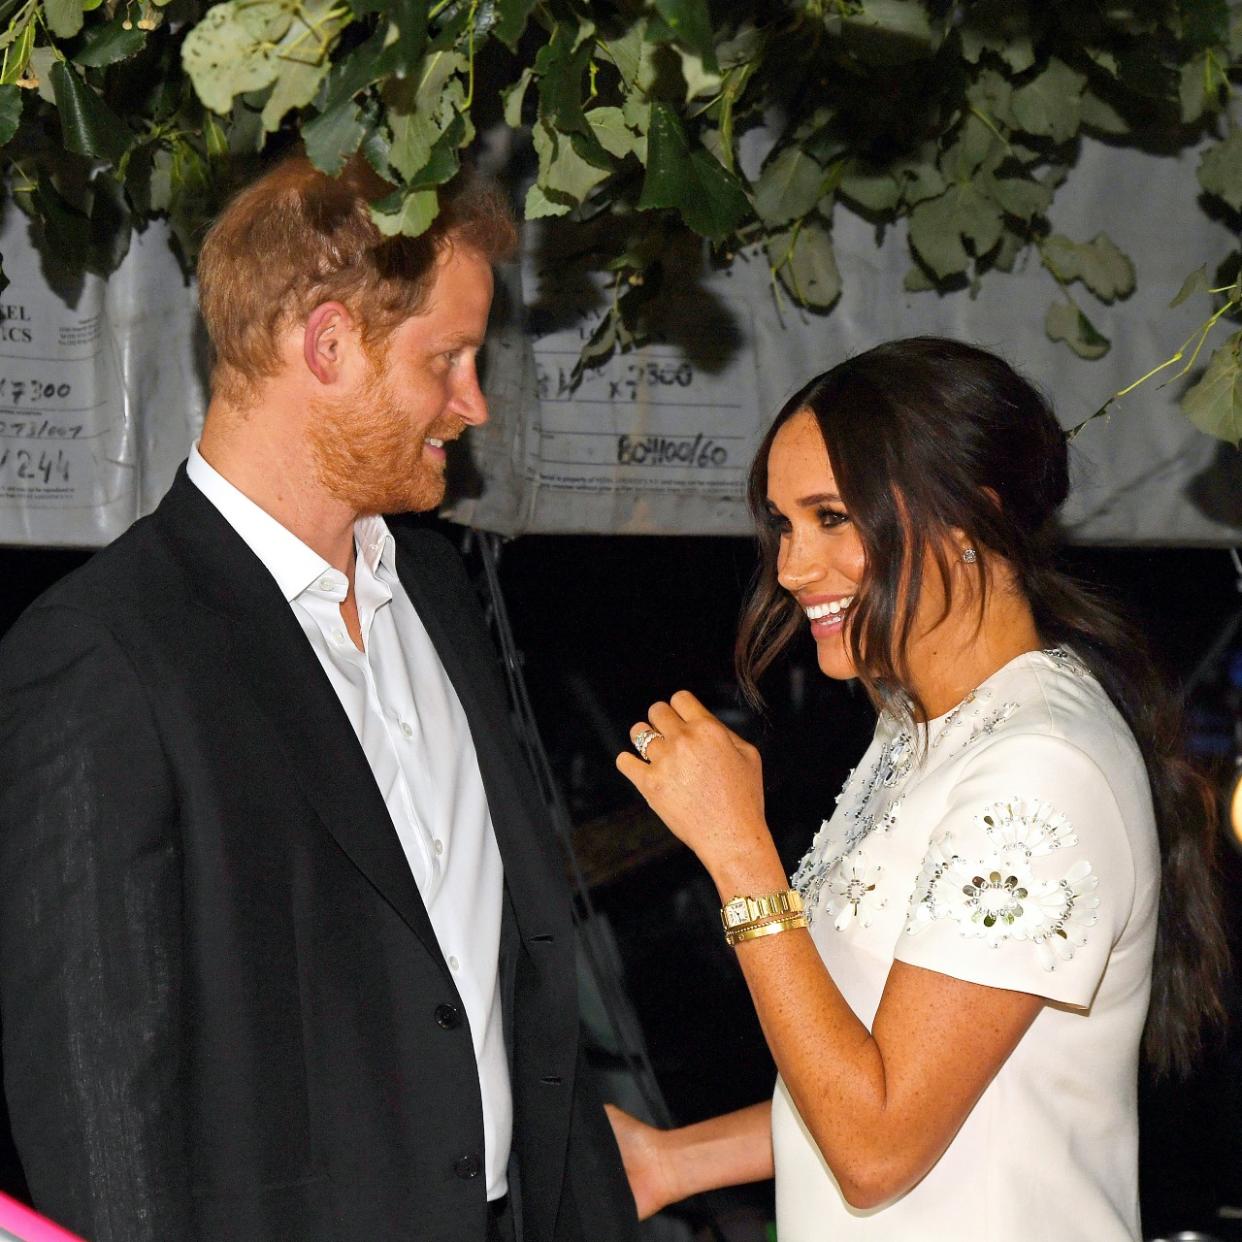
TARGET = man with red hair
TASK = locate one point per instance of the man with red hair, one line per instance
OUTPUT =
(286, 951)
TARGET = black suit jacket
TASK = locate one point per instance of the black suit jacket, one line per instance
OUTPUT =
(225, 1013)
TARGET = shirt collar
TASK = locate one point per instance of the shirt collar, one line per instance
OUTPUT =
(293, 564)
(375, 544)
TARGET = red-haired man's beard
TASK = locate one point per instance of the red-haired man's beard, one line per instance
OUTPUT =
(370, 456)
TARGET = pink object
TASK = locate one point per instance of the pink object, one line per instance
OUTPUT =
(28, 1226)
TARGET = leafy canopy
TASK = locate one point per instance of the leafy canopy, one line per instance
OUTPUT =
(960, 119)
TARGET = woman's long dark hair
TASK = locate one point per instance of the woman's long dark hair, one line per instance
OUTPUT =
(927, 436)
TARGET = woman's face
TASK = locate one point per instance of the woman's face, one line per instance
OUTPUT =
(820, 562)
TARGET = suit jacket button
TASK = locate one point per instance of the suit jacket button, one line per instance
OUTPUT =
(448, 1016)
(467, 1167)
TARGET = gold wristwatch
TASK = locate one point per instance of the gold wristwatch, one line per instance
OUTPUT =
(740, 911)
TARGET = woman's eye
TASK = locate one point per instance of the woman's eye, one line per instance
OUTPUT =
(831, 517)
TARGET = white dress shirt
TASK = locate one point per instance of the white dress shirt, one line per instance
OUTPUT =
(421, 753)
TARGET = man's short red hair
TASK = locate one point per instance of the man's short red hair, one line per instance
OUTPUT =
(296, 238)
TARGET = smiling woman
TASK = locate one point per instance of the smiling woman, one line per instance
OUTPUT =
(956, 986)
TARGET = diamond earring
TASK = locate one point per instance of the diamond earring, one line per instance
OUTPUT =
(969, 555)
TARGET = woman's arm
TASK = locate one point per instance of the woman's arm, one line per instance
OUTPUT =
(666, 1166)
(883, 1104)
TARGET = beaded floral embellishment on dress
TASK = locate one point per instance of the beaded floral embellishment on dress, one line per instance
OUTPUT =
(1067, 661)
(851, 891)
(997, 895)
(876, 805)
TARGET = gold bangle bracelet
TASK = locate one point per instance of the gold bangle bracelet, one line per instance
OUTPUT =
(773, 928)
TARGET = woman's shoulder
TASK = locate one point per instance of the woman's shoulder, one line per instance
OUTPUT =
(1047, 694)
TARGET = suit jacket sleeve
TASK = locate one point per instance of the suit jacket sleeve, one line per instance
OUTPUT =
(90, 969)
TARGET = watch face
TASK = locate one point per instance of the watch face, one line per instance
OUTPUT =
(735, 913)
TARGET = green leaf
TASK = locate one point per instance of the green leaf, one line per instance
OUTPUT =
(804, 260)
(1203, 86)
(563, 172)
(692, 24)
(560, 70)
(920, 179)
(889, 32)
(366, 64)
(443, 162)
(64, 17)
(421, 108)
(538, 205)
(938, 225)
(88, 125)
(1100, 266)
(296, 86)
(19, 54)
(1022, 197)
(1196, 282)
(107, 44)
(789, 186)
(1214, 404)
(375, 148)
(1065, 322)
(334, 136)
(10, 111)
(514, 96)
(229, 52)
(974, 144)
(1004, 27)
(1220, 170)
(709, 198)
(410, 18)
(511, 19)
(411, 215)
(1102, 116)
(876, 192)
(1050, 106)
(612, 133)
(1205, 23)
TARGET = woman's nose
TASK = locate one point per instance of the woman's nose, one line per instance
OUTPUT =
(797, 565)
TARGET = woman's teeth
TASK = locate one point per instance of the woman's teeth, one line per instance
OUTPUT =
(817, 612)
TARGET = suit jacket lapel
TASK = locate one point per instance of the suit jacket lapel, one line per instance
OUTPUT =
(455, 626)
(276, 666)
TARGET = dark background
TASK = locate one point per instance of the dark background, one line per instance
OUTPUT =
(606, 625)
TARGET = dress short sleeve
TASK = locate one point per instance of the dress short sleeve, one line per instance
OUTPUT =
(1028, 879)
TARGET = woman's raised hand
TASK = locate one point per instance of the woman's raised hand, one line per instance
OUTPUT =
(701, 779)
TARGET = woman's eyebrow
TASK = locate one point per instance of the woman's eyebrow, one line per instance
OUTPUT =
(819, 498)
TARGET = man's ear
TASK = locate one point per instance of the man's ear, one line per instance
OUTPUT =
(326, 339)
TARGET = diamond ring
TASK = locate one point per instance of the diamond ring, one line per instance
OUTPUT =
(643, 740)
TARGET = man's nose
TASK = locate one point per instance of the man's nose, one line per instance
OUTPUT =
(469, 403)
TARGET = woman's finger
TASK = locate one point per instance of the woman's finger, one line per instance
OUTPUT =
(688, 707)
(633, 769)
(665, 720)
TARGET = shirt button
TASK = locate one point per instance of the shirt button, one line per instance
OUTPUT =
(467, 1167)
(439, 846)
(454, 964)
(407, 729)
(448, 1017)
(338, 636)
(325, 584)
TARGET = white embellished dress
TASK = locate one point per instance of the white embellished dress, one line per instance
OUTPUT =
(1017, 851)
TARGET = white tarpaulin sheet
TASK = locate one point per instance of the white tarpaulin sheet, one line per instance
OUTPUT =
(101, 395)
